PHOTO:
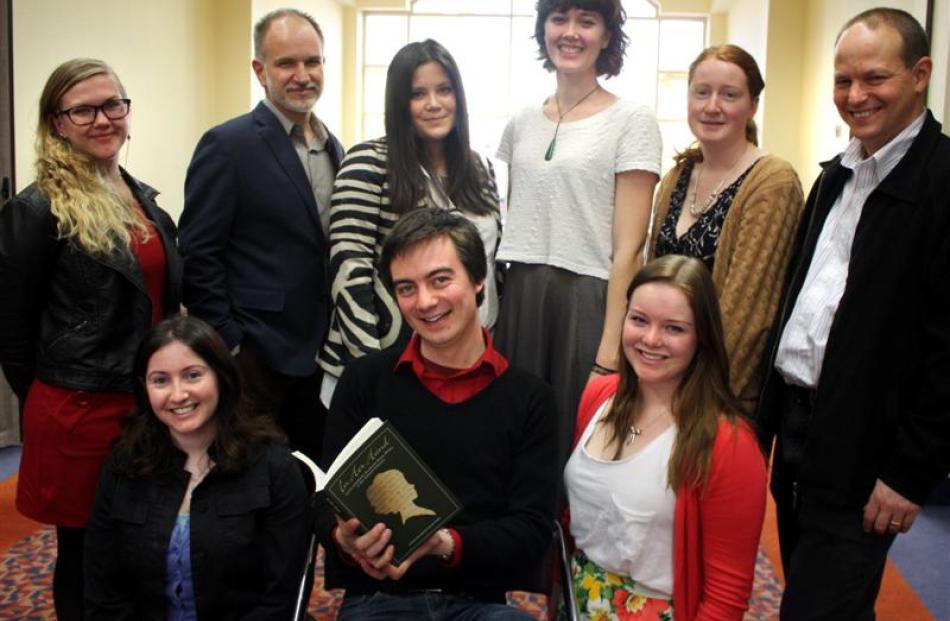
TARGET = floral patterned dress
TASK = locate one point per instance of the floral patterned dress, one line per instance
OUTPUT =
(605, 596)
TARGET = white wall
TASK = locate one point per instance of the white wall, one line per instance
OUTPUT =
(940, 50)
(155, 48)
(746, 26)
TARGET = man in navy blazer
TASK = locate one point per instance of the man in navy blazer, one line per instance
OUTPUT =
(254, 228)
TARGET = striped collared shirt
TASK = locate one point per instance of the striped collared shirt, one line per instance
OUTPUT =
(801, 349)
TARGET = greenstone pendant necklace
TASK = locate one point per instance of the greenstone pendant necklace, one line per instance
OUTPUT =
(550, 152)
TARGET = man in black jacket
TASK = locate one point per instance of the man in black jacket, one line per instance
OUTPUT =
(255, 227)
(858, 396)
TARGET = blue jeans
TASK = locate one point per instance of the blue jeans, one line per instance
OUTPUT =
(423, 606)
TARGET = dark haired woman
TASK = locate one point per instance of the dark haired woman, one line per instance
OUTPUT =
(87, 264)
(732, 205)
(423, 161)
(666, 483)
(201, 511)
(582, 171)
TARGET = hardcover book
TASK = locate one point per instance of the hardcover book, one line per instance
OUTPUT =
(378, 477)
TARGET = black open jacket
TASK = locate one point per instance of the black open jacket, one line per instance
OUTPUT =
(248, 531)
(882, 406)
(67, 317)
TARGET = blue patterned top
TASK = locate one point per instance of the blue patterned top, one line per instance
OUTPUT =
(179, 588)
(702, 238)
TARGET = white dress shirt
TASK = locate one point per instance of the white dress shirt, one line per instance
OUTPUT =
(801, 349)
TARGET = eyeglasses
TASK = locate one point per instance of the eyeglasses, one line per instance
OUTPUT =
(114, 109)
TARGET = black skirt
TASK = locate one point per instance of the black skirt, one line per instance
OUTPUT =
(550, 323)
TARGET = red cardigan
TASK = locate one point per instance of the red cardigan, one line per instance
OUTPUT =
(715, 528)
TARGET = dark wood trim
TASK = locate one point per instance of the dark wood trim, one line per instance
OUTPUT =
(929, 24)
(6, 75)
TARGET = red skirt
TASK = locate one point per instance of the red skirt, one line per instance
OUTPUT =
(66, 436)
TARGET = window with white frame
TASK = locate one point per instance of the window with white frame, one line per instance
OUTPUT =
(492, 41)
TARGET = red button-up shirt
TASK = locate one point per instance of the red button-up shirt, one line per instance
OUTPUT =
(454, 385)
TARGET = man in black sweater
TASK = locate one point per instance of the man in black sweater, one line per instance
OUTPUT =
(487, 430)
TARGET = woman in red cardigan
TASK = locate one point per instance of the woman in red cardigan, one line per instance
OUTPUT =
(666, 482)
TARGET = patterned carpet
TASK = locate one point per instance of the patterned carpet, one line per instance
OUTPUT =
(26, 576)
(26, 570)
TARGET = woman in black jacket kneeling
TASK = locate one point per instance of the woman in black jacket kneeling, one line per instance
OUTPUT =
(201, 511)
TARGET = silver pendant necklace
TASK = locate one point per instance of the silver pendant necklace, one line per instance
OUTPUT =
(635, 432)
(711, 199)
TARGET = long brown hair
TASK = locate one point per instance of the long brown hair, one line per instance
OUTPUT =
(703, 395)
(405, 151)
(754, 84)
(145, 448)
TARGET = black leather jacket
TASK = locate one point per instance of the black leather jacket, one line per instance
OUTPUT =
(67, 317)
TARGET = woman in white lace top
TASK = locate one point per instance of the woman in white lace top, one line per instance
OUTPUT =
(583, 166)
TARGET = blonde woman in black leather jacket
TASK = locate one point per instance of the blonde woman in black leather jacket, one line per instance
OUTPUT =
(87, 264)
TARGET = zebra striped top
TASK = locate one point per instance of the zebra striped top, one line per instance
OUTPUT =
(365, 316)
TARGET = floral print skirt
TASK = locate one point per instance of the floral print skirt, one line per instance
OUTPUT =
(606, 596)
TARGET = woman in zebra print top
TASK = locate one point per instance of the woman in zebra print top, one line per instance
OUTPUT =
(433, 166)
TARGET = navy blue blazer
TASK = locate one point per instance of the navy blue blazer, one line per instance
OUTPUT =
(255, 256)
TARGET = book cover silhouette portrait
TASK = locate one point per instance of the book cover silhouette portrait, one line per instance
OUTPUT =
(390, 492)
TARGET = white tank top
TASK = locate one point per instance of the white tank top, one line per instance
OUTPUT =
(622, 511)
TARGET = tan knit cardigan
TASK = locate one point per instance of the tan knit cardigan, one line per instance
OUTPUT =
(751, 260)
